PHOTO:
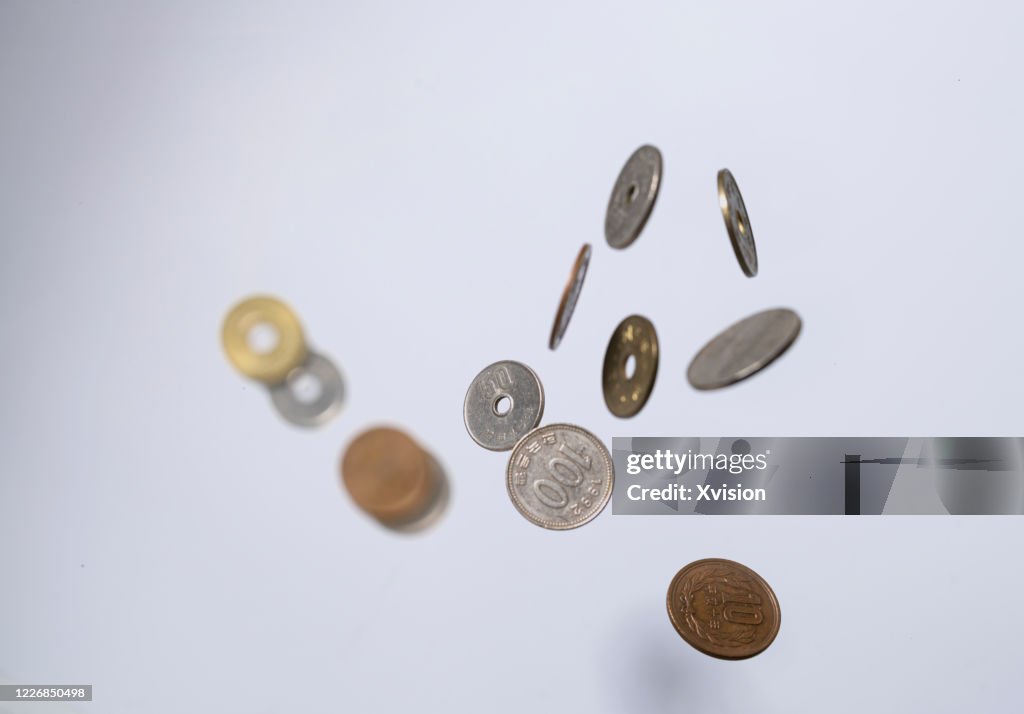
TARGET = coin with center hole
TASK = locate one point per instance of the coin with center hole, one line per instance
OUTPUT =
(570, 295)
(288, 350)
(737, 222)
(630, 366)
(744, 349)
(311, 393)
(633, 197)
(560, 476)
(502, 404)
(723, 609)
(389, 476)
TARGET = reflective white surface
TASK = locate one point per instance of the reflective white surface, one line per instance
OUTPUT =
(415, 180)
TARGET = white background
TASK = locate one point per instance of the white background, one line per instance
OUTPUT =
(416, 180)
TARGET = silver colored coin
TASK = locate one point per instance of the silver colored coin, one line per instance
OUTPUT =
(570, 295)
(633, 197)
(503, 403)
(560, 476)
(737, 222)
(311, 393)
(744, 349)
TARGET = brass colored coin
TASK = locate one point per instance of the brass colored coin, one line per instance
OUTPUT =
(389, 476)
(570, 295)
(723, 608)
(288, 352)
(737, 222)
(626, 393)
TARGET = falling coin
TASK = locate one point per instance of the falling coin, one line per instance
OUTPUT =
(327, 392)
(286, 353)
(633, 197)
(503, 403)
(737, 222)
(744, 349)
(560, 476)
(634, 341)
(570, 295)
(723, 609)
(390, 477)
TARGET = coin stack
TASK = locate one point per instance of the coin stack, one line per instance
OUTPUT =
(287, 365)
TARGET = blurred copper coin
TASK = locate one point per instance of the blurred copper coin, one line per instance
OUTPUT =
(389, 476)
(723, 608)
(630, 366)
(570, 295)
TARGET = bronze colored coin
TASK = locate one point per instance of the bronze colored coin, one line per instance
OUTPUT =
(289, 350)
(389, 476)
(570, 295)
(626, 392)
(737, 222)
(723, 609)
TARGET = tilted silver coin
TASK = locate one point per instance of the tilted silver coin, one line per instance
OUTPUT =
(744, 349)
(737, 222)
(328, 390)
(633, 197)
(502, 404)
(560, 476)
(570, 295)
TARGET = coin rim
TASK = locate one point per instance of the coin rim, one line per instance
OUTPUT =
(610, 373)
(540, 410)
(652, 197)
(758, 368)
(606, 497)
(268, 367)
(727, 208)
(767, 588)
(582, 262)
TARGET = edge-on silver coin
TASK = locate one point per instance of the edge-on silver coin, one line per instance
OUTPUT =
(744, 349)
(503, 403)
(560, 476)
(325, 405)
(633, 197)
(737, 222)
(570, 294)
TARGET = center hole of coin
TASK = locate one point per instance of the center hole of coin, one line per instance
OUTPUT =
(631, 192)
(305, 387)
(629, 367)
(502, 405)
(741, 224)
(262, 338)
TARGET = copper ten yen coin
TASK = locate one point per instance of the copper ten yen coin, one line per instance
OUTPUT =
(723, 609)
(389, 476)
